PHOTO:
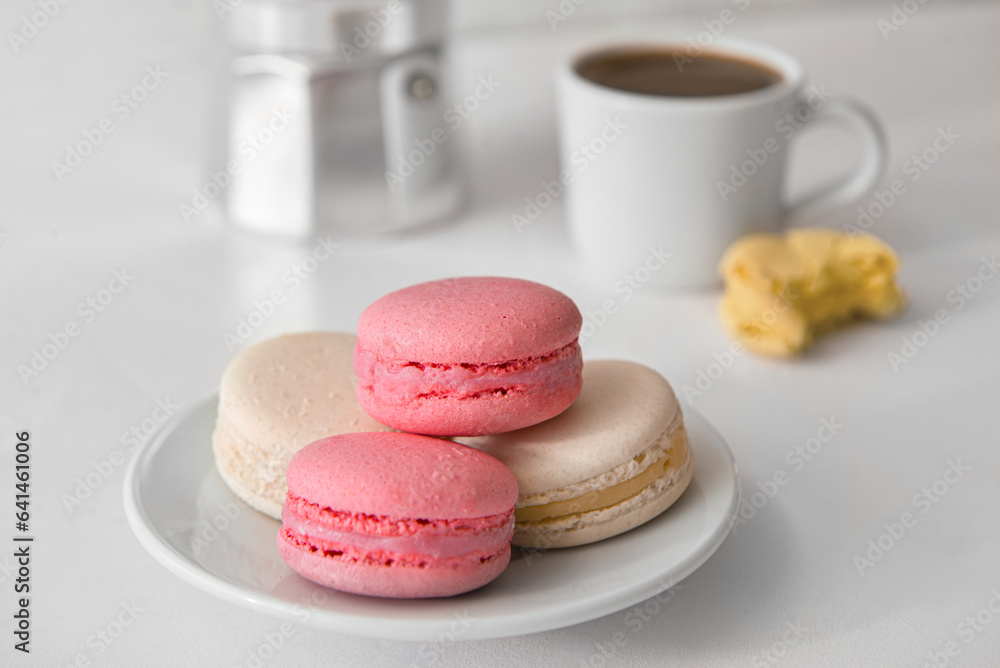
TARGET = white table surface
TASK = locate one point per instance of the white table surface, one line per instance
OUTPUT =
(786, 583)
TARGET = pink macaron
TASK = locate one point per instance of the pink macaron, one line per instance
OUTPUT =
(468, 356)
(397, 515)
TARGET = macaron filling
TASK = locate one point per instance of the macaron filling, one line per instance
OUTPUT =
(398, 382)
(667, 461)
(374, 539)
(348, 553)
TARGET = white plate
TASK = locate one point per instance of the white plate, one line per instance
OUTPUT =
(187, 518)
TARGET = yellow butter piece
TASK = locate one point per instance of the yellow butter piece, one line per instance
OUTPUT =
(782, 291)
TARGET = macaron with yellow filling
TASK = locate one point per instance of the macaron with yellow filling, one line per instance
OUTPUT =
(615, 459)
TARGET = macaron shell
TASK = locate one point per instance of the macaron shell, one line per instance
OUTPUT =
(401, 475)
(623, 409)
(584, 528)
(626, 420)
(276, 397)
(469, 320)
(394, 581)
(295, 389)
(262, 488)
(468, 356)
(488, 413)
(397, 515)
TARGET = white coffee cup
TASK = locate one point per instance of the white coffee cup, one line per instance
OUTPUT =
(655, 175)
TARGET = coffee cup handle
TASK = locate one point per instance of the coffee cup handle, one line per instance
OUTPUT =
(874, 153)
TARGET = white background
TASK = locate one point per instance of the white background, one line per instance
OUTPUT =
(793, 563)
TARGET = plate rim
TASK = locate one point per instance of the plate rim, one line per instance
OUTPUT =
(528, 621)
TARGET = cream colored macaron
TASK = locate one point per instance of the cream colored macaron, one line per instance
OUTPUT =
(618, 457)
(277, 397)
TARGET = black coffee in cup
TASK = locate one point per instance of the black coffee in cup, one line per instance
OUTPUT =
(675, 74)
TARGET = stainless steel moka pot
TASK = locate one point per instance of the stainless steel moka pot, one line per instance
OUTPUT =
(335, 120)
